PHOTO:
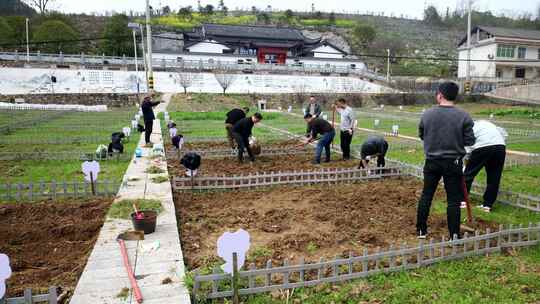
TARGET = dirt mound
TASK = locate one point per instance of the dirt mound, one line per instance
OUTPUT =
(49, 242)
(311, 222)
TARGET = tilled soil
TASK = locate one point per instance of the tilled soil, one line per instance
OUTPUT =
(230, 165)
(48, 243)
(310, 222)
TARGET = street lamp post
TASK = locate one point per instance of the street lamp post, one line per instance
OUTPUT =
(136, 59)
(27, 42)
(134, 27)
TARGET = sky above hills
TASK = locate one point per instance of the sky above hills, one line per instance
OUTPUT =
(409, 8)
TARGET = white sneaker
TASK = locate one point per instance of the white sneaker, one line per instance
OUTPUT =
(486, 209)
(463, 205)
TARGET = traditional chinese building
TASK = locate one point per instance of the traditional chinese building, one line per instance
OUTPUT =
(272, 45)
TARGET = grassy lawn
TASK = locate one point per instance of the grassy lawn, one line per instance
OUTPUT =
(511, 278)
(72, 132)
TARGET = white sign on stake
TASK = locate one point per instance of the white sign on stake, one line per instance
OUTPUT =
(228, 243)
(172, 132)
(5, 273)
(90, 167)
(126, 131)
(289, 109)
(134, 124)
(376, 122)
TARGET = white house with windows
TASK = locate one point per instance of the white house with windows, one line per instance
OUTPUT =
(501, 53)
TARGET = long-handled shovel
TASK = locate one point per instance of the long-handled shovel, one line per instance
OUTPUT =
(470, 219)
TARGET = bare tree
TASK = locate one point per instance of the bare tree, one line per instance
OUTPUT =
(185, 80)
(224, 79)
(40, 5)
(300, 92)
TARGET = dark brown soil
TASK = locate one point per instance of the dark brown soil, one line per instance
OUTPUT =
(230, 165)
(311, 222)
(48, 243)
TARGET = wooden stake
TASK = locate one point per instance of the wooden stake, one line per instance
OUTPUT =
(235, 279)
(92, 183)
(467, 202)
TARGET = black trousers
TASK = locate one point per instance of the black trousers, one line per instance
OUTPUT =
(243, 143)
(148, 125)
(345, 142)
(492, 159)
(451, 172)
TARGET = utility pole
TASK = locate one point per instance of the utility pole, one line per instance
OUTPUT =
(388, 65)
(27, 42)
(144, 55)
(469, 42)
(149, 46)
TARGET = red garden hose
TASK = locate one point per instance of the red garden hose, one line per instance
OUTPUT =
(131, 276)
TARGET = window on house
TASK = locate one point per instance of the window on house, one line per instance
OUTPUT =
(505, 51)
(522, 51)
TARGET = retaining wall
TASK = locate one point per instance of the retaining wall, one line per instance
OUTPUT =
(111, 100)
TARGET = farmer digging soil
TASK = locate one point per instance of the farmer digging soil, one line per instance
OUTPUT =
(445, 130)
(233, 116)
(241, 133)
(317, 126)
(148, 116)
(374, 146)
(489, 152)
(346, 127)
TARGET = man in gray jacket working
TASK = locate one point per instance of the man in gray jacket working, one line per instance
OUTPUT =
(445, 130)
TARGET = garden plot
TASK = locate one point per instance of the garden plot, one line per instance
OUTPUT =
(295, 159)
(49, 242)
(311, 222)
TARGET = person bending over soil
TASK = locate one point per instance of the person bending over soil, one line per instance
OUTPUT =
(241, 133)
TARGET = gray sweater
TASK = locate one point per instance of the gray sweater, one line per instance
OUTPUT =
(446, 131)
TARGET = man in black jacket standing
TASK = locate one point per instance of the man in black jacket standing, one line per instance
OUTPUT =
(233, 116)
(445, 130)
(148, 116)
(241, 133)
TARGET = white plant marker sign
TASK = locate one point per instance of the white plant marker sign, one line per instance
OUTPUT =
(228, 243)
(173, 131)
(289, 109)
(376, 123)
(134, 124)
(5, 273)
(400, 107)
(395, 130)
(90, 170)
(126, 131)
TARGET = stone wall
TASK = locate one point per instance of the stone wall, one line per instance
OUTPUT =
(111, 100)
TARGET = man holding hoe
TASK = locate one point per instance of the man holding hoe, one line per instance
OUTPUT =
(320, 126)
(149, 117)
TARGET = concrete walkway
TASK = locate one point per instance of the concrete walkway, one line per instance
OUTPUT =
(104, 276)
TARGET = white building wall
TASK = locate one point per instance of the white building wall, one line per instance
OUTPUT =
(478, 68)
(326, 51)
(208, 46)
(34, 81)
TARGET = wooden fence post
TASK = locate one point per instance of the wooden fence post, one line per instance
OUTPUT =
(236, 299)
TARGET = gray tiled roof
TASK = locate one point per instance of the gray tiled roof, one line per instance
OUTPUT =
(245, 31)
(510, 32)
